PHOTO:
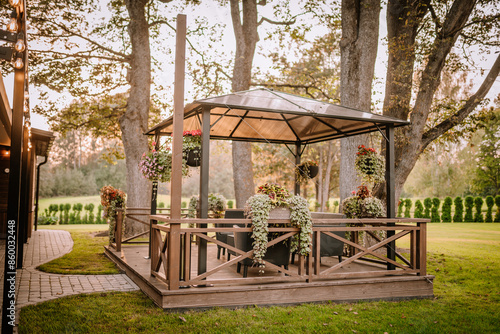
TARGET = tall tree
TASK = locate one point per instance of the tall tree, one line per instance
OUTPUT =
(424, 34)
(89, 49)
(358, 47)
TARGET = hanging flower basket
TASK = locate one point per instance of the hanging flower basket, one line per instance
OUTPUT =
(369, 165)
(156, 165)
(306, 171)
(193, 157)
(191, 145)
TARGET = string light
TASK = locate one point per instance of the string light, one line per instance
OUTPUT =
(20, 46)
(12, 25)
(15, 3)
(18, 63)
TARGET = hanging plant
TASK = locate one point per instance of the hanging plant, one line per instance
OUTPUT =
(156, 165)
(369, 165)
(306, 171)
(259, 206)
(191, 147)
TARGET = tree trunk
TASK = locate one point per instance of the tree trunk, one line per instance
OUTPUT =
(330, 157)
(408, 151)
(246, 39)
(134, 122)
(358, 47)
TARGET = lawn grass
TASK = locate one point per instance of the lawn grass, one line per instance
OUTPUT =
(463, 257)
(86, 257)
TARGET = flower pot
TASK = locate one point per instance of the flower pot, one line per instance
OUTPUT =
(193, 157)
(309, 172)
(279, 213)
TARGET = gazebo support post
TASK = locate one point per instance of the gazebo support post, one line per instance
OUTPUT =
(204, 180)
(298, 147)
(390, 183)
(154, 195)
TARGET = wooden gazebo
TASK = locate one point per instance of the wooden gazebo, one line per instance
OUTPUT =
(183, 270)
(182, 273)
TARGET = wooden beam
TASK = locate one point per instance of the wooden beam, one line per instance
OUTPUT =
(391, 189)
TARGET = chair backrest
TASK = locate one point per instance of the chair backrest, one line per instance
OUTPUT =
(234, 214)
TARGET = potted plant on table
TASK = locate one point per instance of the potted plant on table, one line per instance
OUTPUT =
(305, 171)
(191, 146)
(272, 197)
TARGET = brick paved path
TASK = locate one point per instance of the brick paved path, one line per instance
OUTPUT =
(34, 286)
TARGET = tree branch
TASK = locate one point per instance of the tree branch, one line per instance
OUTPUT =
(469, 106)
(78, 55)
(75, 34)
(283, 23)
(435, 19)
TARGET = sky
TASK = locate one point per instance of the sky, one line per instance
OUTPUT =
(219, 14)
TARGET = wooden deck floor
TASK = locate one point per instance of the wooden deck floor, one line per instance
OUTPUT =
(133, 260)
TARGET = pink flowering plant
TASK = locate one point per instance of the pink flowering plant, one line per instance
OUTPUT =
(156, 165)
(191, 140)
(369, 165)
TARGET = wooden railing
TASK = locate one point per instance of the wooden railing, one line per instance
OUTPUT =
(139, 215)
(172, 247)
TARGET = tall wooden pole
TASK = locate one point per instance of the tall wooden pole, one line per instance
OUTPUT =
(298, 147)
(176, 180)
(178, 118)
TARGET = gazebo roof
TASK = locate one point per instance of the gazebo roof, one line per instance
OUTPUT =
(263, 115)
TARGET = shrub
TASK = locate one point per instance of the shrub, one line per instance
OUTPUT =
(67, 207)
(61, 213)
(42, 220)
(478, 216)
(184, 204)
(428, 206)
(469, 204)
(98, 219)
(335, 206)
(161, 205)
(497, 215)
(490, 201)
(458, 217)
(446, 210)
(230, 204)
(401, 204)
(419, 209)
(435, 210)
(408, 204)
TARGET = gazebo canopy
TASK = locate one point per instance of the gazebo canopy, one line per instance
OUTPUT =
(263, 115)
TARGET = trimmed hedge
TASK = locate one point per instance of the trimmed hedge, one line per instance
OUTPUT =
(419, 209)
(435, 218)
(458, 217)
(478, 216)
(469, 204)
(446, 210)
(490, 201)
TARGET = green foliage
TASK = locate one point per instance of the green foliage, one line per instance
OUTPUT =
(230, 204)
(408, 204)
(43, 220)
(497, 203)
(446, 210)
(487, 181)
(99, 219)
(401, 205)
(490, 201)
(419, 209)
(469, 204)
(435, 218)
(428, 206)
(162, 204)
(458, 216)
(478, 216)
(183, 204)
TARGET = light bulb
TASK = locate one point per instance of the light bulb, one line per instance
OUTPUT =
(15, 3)
(12, 26)
(20, 46)
(18, 63)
